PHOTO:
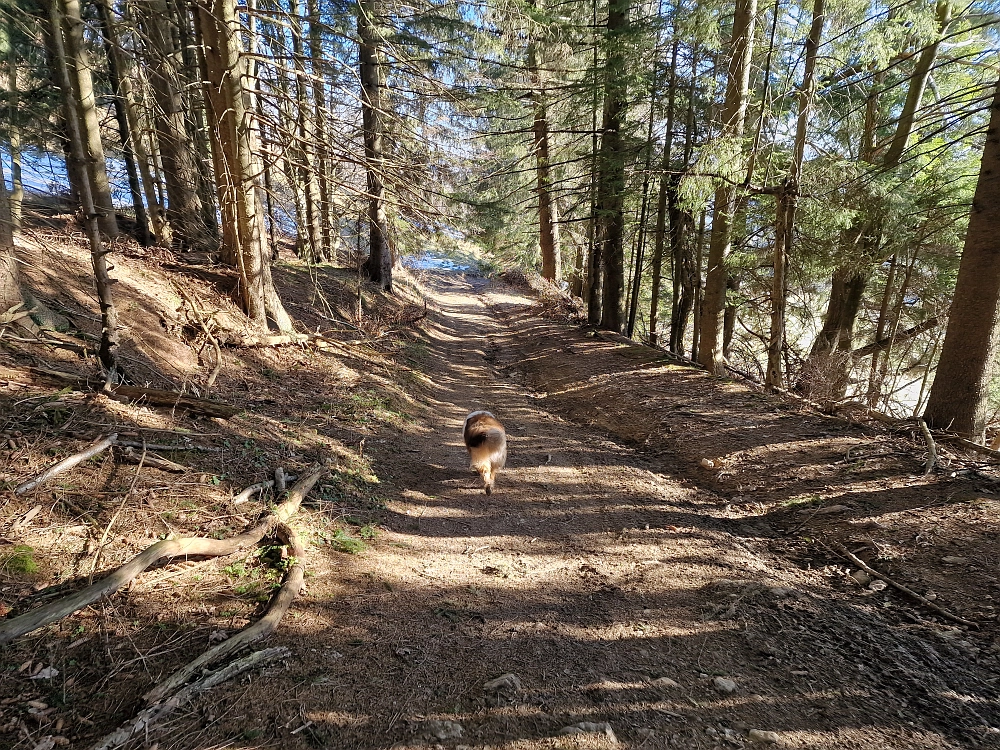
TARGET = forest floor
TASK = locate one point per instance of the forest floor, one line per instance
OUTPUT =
(628, 585)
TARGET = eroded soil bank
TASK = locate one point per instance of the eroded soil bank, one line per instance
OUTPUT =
(620, 580)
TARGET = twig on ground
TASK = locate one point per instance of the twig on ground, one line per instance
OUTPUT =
(146, 718)
(931, 448)
(158, 447)
(107, 529)
(846, 553)
(204, 326)
(151, 459)
(67, 463)
(154, 396)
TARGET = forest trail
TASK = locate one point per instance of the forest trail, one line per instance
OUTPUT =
(627, 587)
(616, 589)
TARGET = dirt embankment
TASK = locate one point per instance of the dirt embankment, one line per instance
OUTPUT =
(634, 594)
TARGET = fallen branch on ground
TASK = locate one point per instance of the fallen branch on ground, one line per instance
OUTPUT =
(163, 550)
(204, 326)
(149, 716)
(931, 448)
(67, 463)
(151, 459)
(970, 445)
(154, 396)
(266, 625)
(158, 447)
(846, 553)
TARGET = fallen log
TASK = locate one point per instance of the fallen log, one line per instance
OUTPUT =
(163, 550)
(154, 396)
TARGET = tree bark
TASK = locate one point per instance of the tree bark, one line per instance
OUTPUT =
(785, 203)
(379, 264)
(180, 168)
(142, 228)
(958, 397)
(108, 350)
(236, 176)
(322, 162)
(548, 228)
(610, 226)
(710, 353)
(81, 79)
(16, 195)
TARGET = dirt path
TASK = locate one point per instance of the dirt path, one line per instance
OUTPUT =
(626, 587)
(615, 590)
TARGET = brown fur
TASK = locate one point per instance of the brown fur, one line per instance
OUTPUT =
(486, 441)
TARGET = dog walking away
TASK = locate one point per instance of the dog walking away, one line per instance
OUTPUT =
(486, 440)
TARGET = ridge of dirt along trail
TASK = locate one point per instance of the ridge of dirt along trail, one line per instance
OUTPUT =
(613, 591)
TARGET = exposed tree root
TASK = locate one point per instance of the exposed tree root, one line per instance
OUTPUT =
(841, 550)
(149, 716)
(67, 463)
(163, 550)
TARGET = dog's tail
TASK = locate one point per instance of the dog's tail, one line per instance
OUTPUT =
(486, 441)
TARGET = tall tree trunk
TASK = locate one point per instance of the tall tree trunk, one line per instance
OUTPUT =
(609, 241)
(115, 69)
(659, 233)
(15, 198)
(594, 282)
(710, 353)
(226, 104)
(863, 232)
(322, 162)
(79, 157)
(958, 397)
(89, 122)
(306, 169)
(785, 203)
(180, 167)
(548, 229)
(379, 262)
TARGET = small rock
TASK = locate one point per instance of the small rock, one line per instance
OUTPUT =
(707, 463)
(665, 682)
(780, 592)
(930, 596)
(46, 743)
(762, 737)
(45, 674)
(723, 685)
(861, 577)
(503, 690)
(217, 635)
(442, 730)
(509, 681)
(590, 727)
(953, 560)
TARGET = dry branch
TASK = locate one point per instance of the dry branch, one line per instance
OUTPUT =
(266, 625)
(204, 326)
(153, 396)
(67, 463)
(164, 550)
(158, 447)
(931, 448)
(252, 490)
(846, 553)
(969, 445)
(146, 718)
(151, 459)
